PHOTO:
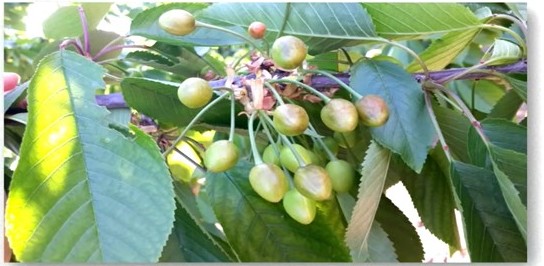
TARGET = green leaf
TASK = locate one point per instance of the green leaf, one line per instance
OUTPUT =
(190, 242)
(84, 192)
(486, 93)
(99, 39)
(158, 99)
(433, 198)
(189, 202)
(519, 9)
(145, 24)
(13, 95)
(444, 50)
(400, 230)
(506, 134)
(409, 20)
(455, 129)
(374, 173)
(507, 151)
(261, 231)
(188, 66)
(380, 248)
(503, 52)
(322, 26)
(65, 22)
(501, 159)
(409, 130)
(491, 232)
(507, 107)
(519, 86)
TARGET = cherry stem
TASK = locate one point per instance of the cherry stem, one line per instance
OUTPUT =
(521, 24)
(341, 83)
(466, 71)
(256, 156)
(210, 26)
(274, 92)
(329, 153)
(189, 159)
(232, 116)
(286, 141)
(304, 86)
(466, 112)
(285, 18)
(195, 119)
(271, 139)
(85, 28)
(516, 36)
(72, 42)
(428, 105)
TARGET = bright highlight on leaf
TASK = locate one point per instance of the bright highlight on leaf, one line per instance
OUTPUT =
(81, 192)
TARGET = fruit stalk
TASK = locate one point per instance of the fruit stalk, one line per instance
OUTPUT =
(195, 119)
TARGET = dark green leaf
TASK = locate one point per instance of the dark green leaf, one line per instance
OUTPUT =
(486, 93)
(443, 50)
(506, 134)
(409, 130)
(190, 242)
(322, 26)
(158, 99)
(261, 231)
(507, 107)
(408, 20)
(189, 66)
(507, 150)
(146, 24)
(492, 233)
(400, 230)
(65, 22)
(374, 173)
(433, 198)
(83, 192)
(455, 129)
(99, 39)
(518, 86)
(13, 95)
(189, 202)
(380, 248)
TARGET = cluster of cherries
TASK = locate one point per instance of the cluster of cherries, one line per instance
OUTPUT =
(283, 157)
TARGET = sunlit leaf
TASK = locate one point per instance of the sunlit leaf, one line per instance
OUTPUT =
(443, 50)
(409, 20)
(146, 24)
(503, 52)
(322, 26)
(66, 21)
(85, 190)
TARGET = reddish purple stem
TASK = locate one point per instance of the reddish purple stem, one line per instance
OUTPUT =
(85, 27)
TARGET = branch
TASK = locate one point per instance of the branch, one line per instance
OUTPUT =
(116, 100)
